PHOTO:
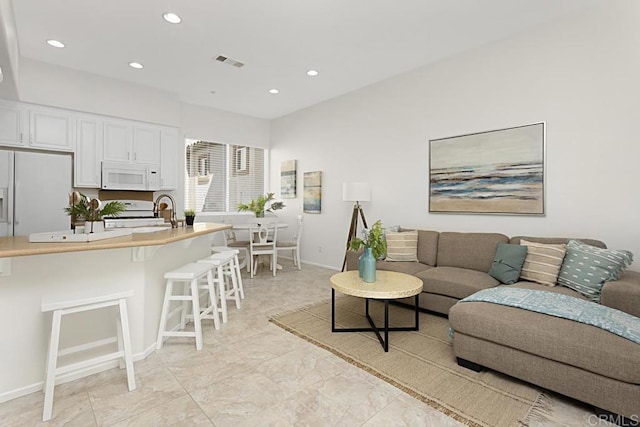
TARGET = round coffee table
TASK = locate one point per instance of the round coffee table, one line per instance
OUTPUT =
(389, 285)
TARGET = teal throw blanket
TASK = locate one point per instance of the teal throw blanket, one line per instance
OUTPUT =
(564, 306)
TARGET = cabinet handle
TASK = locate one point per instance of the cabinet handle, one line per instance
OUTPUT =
(135, 157)
(21, 137)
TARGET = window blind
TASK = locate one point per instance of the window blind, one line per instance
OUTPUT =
(219, 176)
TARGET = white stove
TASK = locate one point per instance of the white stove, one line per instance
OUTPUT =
(137, 214)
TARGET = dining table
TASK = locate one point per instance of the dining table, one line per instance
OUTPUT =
(246, 226)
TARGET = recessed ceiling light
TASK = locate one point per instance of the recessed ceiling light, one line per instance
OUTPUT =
(136, 65)
(212, 92)
(172, 18)
(312, 73)
(274, 91)
(55, 43)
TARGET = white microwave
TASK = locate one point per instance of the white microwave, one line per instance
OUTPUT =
(130, 176)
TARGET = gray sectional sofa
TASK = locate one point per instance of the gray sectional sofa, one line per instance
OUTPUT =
(574, 359)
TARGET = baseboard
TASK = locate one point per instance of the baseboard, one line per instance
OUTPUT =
(72, 376)
(328, 267)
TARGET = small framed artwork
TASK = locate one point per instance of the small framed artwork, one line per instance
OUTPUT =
(499, 172)
(288, 179)
(312, 202)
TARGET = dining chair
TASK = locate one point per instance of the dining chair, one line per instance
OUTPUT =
(294, 244)
(263, 243)
(231, 241)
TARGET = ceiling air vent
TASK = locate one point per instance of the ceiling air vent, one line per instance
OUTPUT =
(229, 61)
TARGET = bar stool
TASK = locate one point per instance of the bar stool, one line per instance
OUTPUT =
(190, 275)
(237, 264)
(223, 264)
(62, 308)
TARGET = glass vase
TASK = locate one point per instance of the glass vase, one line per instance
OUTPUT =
(368, 266)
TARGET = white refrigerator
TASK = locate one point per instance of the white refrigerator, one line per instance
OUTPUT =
(34, 190)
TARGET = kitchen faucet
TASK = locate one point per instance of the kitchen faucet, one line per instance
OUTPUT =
(173, 220)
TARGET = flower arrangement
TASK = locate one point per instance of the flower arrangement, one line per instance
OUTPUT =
(371, 238)
(189, 212)
(81, 207)
(259, 205)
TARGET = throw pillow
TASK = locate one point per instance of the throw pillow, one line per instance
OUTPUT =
(586, 268)
(543, 262)
(507, 263)
(402, 246)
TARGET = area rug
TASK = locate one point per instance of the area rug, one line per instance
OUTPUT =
(420, 363)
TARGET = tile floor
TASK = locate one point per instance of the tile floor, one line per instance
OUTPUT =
(250, 373)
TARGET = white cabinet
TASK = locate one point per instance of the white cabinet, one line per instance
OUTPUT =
(88, 155)
(169, 159)
(14, 125)
(51, 129)
(118, 139)
(146, 145)
(126, 141)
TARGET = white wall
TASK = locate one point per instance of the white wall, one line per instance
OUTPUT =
(579, 75)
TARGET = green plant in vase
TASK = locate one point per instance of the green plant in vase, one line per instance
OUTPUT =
(375, 246)
(189, 216)
(92, 210)
(259, 205)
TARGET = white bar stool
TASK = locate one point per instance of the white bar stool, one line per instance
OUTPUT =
(62, 308)
(223, 264)
(190, 275)
(237, 264)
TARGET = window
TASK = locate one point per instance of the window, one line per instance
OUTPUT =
(219, 176)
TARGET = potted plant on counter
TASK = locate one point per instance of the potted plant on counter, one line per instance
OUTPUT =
(189, 216)
(375, 246)
(92, 211)
(259, 205)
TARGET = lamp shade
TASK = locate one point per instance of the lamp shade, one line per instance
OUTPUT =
(356, 192)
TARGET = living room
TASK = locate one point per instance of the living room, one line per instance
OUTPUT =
(578, 74)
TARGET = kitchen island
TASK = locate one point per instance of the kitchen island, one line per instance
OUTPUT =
(31, 273)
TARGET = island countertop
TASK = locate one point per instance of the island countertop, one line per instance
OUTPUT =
(20, 246)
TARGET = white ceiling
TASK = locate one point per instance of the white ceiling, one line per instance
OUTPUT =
(352, 43)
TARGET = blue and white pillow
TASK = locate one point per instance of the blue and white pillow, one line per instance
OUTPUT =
(586, 268)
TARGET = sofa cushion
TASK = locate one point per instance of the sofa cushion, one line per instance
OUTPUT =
(408, 267)
(468, 250)
(572, 343)
(507, 263)
(586, 268)
(543, 261)
(402, 246)
(428, 247)
(455, 282)
(623, 294)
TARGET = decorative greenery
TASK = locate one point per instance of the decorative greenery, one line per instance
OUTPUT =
(89, 210)
(189, 212)
(372, 238)
(259, 205)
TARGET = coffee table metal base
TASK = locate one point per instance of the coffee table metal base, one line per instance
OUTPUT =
(384, 342)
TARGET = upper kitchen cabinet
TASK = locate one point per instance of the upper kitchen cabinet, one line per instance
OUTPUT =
(169, 159)
(146, 145)
(51, 129)
(118, 140)
(126, 141)
(14, 124)
(88, 157)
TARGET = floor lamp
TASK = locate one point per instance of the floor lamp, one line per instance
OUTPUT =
(355, 192)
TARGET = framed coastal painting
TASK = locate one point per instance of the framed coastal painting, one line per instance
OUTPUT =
(498, 172)
(288, 179)
(312, 201)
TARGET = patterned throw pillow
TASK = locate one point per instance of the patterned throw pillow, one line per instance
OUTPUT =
(402, 246)
(586, 268)
(543, 262)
